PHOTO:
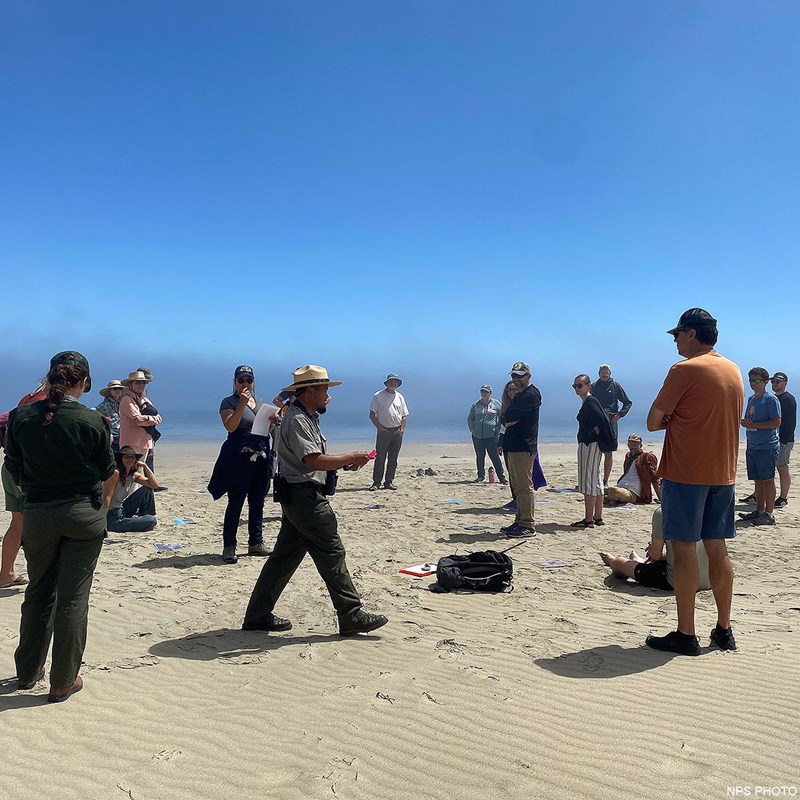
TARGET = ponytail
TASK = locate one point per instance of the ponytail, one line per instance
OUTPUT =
(60, 378)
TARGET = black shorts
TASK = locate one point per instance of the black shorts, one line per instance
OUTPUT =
(653, 575)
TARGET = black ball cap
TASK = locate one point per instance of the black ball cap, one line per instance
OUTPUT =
(71, 358)
(243, 369)
(694, 318)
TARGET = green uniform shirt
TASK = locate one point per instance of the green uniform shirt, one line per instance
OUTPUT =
(300, 436)
(70, 456)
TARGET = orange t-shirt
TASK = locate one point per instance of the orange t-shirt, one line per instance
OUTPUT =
(704, 397)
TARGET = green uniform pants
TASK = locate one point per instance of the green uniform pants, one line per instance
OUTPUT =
(62, 541)
(308, 525)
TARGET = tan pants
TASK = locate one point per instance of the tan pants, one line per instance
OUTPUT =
(619, 495)
(520, 473)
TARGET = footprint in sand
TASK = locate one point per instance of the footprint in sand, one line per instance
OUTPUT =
(592, 662)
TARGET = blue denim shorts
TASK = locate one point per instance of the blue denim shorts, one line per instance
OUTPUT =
(692, 512)
(761, 464)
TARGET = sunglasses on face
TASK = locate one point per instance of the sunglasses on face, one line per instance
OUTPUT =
(756, 380)
(244, 380)
(577, 386)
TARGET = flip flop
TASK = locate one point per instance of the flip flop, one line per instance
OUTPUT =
(20, 580)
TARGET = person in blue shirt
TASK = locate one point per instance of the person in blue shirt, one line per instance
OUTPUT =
(762, 418)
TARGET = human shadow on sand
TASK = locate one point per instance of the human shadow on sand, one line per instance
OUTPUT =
(609, 661)
(10, 700)
(472, 538)
(629, 586)
(231, 643)
(181, 562)
(478, 511)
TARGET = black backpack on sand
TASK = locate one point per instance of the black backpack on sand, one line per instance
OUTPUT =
(486, 571)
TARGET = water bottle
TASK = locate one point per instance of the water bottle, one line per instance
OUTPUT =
(492, 476)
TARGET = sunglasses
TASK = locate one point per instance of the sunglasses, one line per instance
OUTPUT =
(756, 380)
(777, 380)
(244, 380)
(577, 386)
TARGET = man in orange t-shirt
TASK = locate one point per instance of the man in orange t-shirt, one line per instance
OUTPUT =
(700, 407)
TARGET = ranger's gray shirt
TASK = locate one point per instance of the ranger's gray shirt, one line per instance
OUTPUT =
(300, 436)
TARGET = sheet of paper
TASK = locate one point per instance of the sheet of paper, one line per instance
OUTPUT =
(262, 423)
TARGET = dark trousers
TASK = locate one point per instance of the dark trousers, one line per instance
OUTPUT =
(137, 514)
(253, 487)
(482, 447)
(62, 542)
(388, 444)
(308, 525)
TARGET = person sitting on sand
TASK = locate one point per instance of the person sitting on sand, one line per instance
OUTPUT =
(655, 571)
(639, 479)
(133, 506)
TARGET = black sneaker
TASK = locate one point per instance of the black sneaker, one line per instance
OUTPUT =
(361, 622)
(723, 638)
(764, 518)
(268, 623)
(749, 516)
(518, 530)
(781, 502)
(507, 528)
(751, 498)
(675, 642)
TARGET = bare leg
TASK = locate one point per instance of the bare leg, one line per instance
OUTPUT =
(621, 567)
(786, 481)
(598, 506)
(608, 462)
(11, 544)
(720, 575)
(769, 495)
(686, 578)
(588, 506)
(761, 495)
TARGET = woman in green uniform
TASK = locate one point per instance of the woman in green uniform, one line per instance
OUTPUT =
(59, 452)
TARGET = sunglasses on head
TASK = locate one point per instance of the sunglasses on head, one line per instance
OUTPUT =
(577, 386)
(244, 380)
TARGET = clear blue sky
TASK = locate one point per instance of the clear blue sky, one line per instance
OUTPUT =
(436, 188)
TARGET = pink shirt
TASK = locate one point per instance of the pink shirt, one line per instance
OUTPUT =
(132, 423)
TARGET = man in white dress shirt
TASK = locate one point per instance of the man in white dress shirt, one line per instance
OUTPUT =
(388, 412)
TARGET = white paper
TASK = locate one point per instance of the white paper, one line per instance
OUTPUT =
(262, 423)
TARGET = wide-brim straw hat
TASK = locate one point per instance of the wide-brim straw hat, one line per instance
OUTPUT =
(308, 376)
(138, 375)
(106, 390)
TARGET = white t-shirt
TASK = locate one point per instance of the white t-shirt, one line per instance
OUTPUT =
(389, 408)
(631, 481)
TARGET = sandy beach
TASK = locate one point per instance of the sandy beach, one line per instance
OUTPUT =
(544, 692)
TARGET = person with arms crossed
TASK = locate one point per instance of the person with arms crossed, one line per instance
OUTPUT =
(785, 434)
(699, 406)
(762, 418)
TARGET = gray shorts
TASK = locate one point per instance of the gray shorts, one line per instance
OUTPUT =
(784, 453)
(15, 500)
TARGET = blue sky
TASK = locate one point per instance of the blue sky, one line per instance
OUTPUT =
(435, 188)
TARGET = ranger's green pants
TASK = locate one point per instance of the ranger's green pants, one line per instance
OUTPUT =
(62, 541)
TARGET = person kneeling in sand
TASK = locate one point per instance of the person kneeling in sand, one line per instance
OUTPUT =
(655, 572)
(639, 480)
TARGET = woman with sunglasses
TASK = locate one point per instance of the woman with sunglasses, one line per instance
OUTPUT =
(236, 473)
(594, 436)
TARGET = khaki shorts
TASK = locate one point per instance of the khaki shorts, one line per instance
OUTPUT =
(15, 500)
(784, 453)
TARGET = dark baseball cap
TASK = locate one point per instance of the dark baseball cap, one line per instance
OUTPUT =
(694, 318)
(779, 376)
(69, 358)
(243, 369)
(72, 358)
